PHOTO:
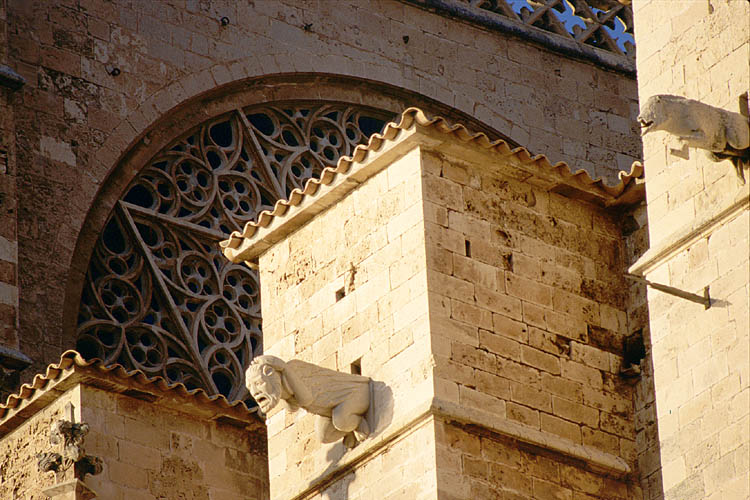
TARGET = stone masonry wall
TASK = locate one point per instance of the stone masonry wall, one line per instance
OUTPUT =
(527, 305)
(148, 452)
(481, 467)
(390, 475)
(20, 477)
(705, 53)
(700, 356)
(701, 368)
(527, 318)
(529, 297)
(75, 120)
(8, 204)
(152, 452)
(350, 286)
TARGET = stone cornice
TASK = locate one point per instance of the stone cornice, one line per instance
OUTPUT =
(10, 79)
(417, 129)
(73, 370)
(594, 459)
(588, 457)
(689, 234)
(552, 41)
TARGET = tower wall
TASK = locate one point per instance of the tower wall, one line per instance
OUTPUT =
(488, 311)
(351, 286)
(527, 319)
(699, 225)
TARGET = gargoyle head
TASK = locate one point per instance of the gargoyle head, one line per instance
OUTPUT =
(264, 382)
(648, 119)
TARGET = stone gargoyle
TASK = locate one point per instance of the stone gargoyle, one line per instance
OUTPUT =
(722, 134)
(340, 400)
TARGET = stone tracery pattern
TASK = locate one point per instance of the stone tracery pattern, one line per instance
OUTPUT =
(159, 297)
(605, 24)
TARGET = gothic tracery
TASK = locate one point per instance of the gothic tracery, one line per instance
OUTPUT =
(158, 295)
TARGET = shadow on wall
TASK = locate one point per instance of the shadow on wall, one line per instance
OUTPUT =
(379, 419)
(647, 429)
(648, 452)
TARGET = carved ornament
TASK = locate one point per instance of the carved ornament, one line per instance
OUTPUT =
(340, 400)
(67, 437)
(721, 133)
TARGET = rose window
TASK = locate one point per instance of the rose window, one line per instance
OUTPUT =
(159, 296)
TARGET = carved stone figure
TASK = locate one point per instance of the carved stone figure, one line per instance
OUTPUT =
(723, 134)
(67, 436)
(340, 400)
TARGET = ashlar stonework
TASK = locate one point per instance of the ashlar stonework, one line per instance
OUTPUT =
(426, 261)
(699, 227)
(152, 439)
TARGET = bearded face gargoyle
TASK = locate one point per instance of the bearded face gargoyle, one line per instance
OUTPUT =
(340, 400)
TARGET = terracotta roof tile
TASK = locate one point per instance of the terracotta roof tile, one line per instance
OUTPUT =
(73, 369)
(577, 184)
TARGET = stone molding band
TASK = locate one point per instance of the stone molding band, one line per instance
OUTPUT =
(689, 234)
(594, 459)
(550, 40)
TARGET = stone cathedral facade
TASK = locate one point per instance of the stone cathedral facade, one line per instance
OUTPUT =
(520, 227)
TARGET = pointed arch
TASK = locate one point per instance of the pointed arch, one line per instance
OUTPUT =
(146, 289)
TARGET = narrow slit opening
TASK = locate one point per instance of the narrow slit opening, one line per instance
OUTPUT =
(356, 367)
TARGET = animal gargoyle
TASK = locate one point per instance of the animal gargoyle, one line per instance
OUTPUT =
(722, 134)
(340, 400)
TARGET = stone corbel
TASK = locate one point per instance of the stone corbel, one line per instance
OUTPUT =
(724, 135)
(67, 436)
(340, 400)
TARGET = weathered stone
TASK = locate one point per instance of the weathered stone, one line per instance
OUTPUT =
(696, 210)
(455, 347)
(340, 400)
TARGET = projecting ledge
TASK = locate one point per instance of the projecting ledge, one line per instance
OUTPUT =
(10, 79)
(594, 459)
(689, 234)
(70, 490)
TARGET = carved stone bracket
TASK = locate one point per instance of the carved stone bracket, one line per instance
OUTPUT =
(10, 79)
(70, 490)
(67, 436)
(340, 400)
(724, 135)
